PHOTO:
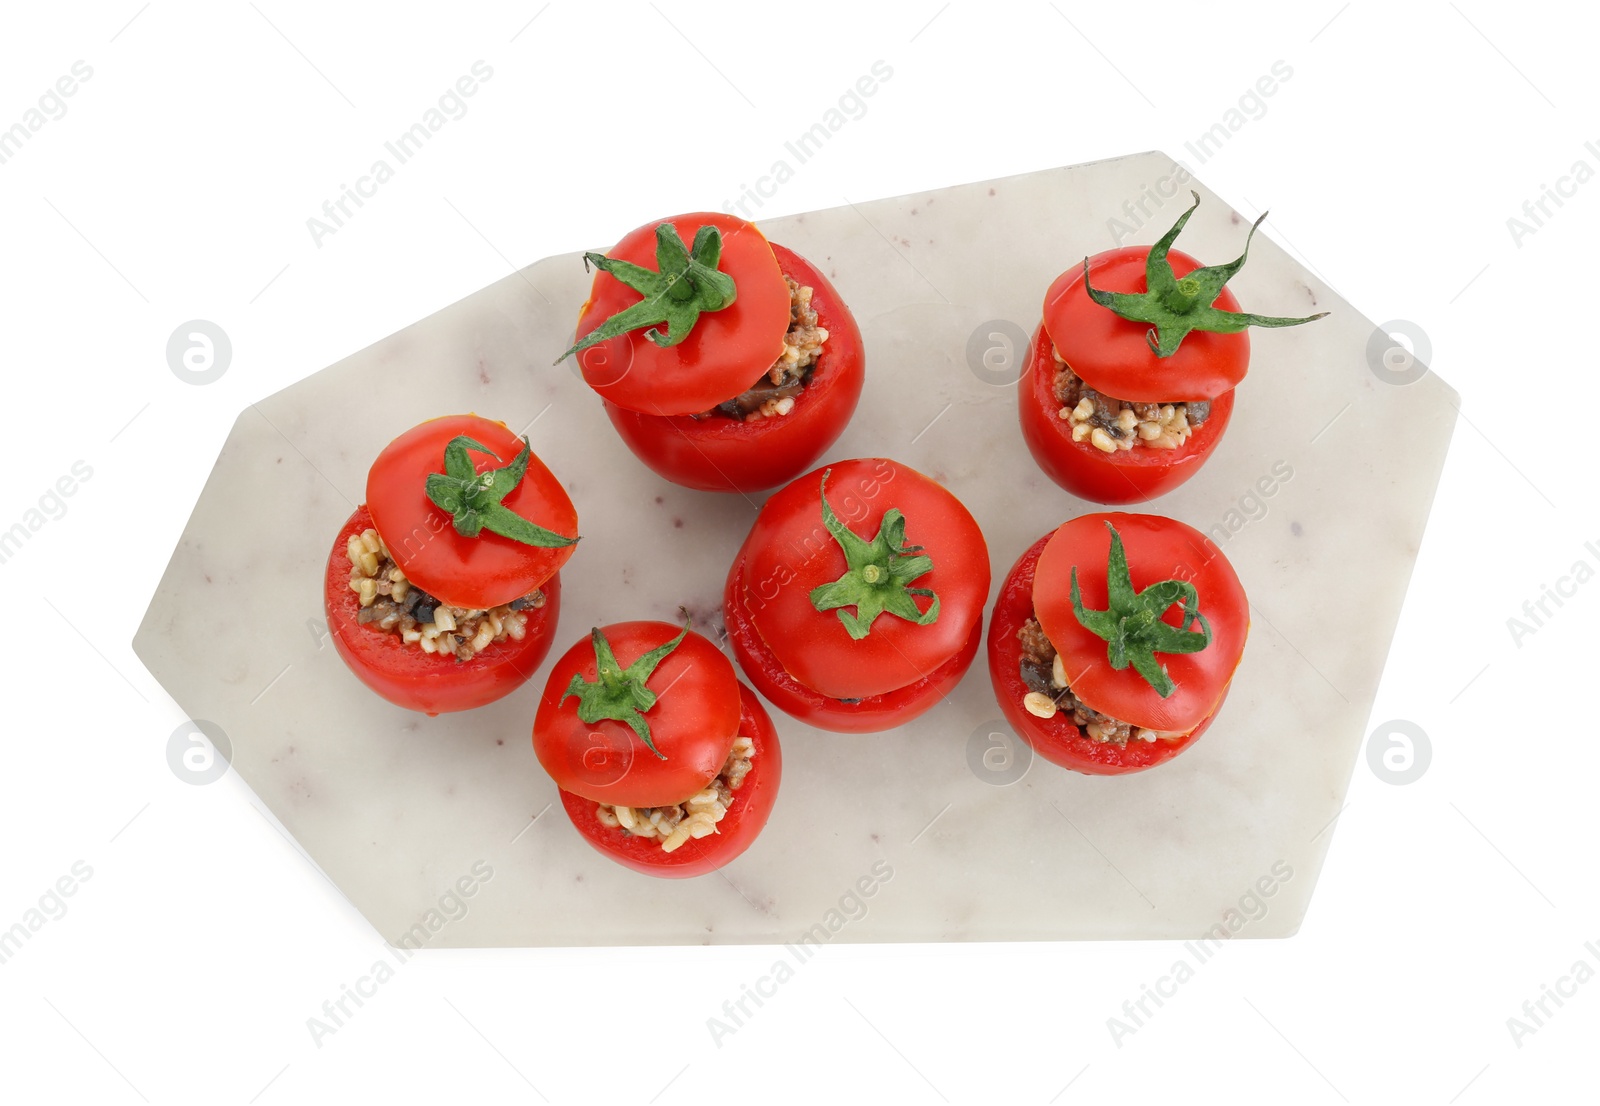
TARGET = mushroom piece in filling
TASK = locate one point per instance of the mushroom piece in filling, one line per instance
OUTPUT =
(774, 394)
(696, 816)
(1048, 693)
(391, 603)
(1111, 424)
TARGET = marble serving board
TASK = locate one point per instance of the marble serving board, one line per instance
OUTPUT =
(941, 830)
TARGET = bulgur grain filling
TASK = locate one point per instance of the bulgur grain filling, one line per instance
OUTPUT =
(1111, 424)
(391, 603)
(1048, 692)
(696, 816)
(774, 394)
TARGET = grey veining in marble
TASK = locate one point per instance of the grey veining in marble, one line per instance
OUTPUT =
(397, 807)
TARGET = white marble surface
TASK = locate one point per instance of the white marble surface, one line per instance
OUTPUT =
(396, 807)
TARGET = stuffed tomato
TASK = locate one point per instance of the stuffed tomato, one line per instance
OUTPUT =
(1130, 383)
(756, 372)
(442, 590)
(1114, 640)
(856, 602)
(666, 784)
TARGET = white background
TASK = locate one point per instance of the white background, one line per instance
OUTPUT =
(177, 186)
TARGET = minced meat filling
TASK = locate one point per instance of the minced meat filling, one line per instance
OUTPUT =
(696, 816)
(1048, 692)
(1111, 424)
(391, 603)
(774, 394)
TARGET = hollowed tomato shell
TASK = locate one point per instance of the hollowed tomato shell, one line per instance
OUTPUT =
(428, 682)
(1127, 476)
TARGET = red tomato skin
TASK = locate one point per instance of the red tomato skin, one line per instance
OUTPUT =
(751, 807)
(472, 573)
(789, 552)
(720, 454)
(725, 350)
(1134, 475)
(1111, 353)
(427, 682)
(872, 714)
(693, 722)
(1157, 548)
(1057, 739)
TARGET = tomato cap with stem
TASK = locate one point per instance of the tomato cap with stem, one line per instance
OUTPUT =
(723, 454)
(1156, 548)
(1175, 307)
(685, 283)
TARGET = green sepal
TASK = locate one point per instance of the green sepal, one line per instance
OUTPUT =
(879, 574)
(472, 499)
(620, 693)
(1174, 307)
(1131, 625)
(684, 283)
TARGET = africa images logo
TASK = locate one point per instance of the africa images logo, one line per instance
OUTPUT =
(451, 106)
(1252, 906)
(849, 907)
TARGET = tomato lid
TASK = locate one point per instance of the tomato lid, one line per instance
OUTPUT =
(1113, 355)
(1150, 324)
(726, 350)
(474, 573)
(666, 715)
(1157, 548)
(798, 577)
